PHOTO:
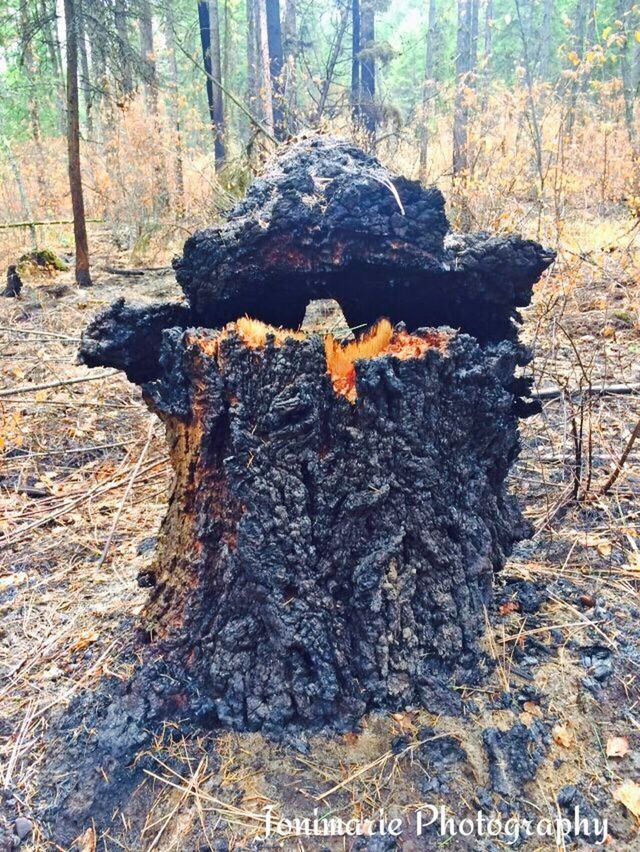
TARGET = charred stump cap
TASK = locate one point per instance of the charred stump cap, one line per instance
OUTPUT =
(327, 220)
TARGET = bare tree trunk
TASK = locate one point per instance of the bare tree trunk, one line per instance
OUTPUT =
(486, 55)
(147, 54)
(83, 276)
(264, 64)
(216, 70)
(355, 62)
(174, 108)
(428, 88)
(147, 51)
(48, 17)
(276, 63)
(463, 73)
(214, 94)
(368, 69)
(124, 48)
(26, 34)
(290, 49)
(253, 76)
(85, 77)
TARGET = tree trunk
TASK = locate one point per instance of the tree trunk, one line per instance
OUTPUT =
(276, 63)
(124, 48)
(210, 41)
(150, 78)
(624, 13)
(216, 70)
(368, 69)
(332, 61)
(82, 274)
(463, 74)
(486, 56)
(355, 63)
(174, 106)
(428, 88)
(48, 11)
(27, 213)
(338, 512)
(264, 64)
(33, 107)
(85, 77)
(290, 51)
(253, 73)
(147, 53)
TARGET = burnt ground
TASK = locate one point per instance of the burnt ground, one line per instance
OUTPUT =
(84, 480)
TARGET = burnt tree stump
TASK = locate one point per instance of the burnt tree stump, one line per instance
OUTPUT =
(338, 512)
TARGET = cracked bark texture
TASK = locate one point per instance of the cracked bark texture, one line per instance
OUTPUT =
(322, 559)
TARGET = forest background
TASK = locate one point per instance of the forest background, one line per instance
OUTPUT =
(522, 111)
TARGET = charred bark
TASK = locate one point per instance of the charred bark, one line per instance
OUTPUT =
(338, 513)
(330, 223)
(344, 508)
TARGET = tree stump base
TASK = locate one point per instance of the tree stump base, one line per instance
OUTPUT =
(322, 557)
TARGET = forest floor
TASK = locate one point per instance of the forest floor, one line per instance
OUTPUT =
(84, 480)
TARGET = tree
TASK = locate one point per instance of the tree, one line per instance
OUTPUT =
(33, 107)
(355, 61)
(82, 274)
(290, 50)
(85, 76)
(427, 86)
(624, 13)
(47, 25)
(211, 58)
(123, 47)
(465, 66)
(216, 70)
(276, 62)
(368, 68)
(264, 63)
(174, 110)
(253, 71)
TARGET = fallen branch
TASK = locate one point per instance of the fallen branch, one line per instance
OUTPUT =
(625, 455)
(114, 270)
(39, 333)
(60, 384)
(5, 225)
(557, 392)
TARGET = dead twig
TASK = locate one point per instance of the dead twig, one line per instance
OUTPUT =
(48, 385)
(604, 390)
(625, 455)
